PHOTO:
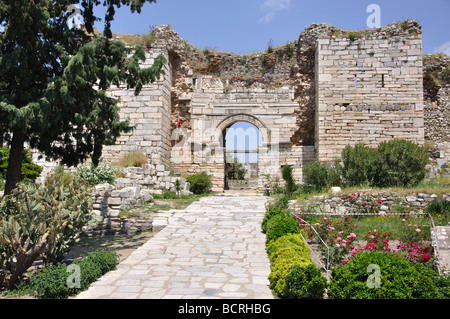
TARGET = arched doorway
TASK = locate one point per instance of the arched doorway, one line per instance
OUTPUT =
(242, 140)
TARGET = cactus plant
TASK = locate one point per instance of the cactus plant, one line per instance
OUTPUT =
(41, 220)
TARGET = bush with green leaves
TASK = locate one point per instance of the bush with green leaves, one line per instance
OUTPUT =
(60, 281)
(358, 164)
(398, 279)
(316, 176)
(305, 282)
(30, 171)
(286, 173)
(285, 253)
(440, 211)
(270, 212)
(200, 183)
(41, 221)
(399, 163)
(280, 225)
(93, 175)
(235, 170)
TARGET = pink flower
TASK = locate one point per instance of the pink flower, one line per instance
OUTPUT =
(403, 220)
(418, 230)
(339, 239)
(337, 245)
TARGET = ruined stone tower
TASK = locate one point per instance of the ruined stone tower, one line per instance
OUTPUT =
(309, 98)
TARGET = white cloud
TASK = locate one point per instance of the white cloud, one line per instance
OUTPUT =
(271, 7)
(445, 48)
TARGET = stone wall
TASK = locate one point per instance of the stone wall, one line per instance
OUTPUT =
(386, 201)
(108, 202)
(368, 90)
(148, 113)
(303, 97)
(154, 178)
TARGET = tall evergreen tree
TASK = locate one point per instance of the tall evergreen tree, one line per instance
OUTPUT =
(54, 78)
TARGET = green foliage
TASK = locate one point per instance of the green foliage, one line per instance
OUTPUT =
(358, 164)
(280, 225)
(41, 221)
(305, 282)
(235, 170)
(286, 253)
(30, 171)
(54, 79)
(316, 176)
(200, 183)
(51, 282)
(271, 212)
(400, 163)
(286, 241)
(440, 211)
(93, 175)
(398, 279)
(397, 163)
(286, 172)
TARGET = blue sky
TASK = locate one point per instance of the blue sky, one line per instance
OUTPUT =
(247, 26)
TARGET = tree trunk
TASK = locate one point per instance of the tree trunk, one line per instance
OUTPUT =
(16, 155)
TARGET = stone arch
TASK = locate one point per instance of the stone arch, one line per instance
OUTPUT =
(226, 123)
(230, 120)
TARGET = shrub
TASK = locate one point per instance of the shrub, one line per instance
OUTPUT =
(93, 175)
(286, 172)
(440, 211)
(398, 279)
(200, 182)
(52, 280)
(358, 164)
(235, 170)
(270, 212)
(285, 253)
(305, 282)
(316, 176)
(41, 221)
(30, 171)
(290, 240)
(280, 225)
(400, 163)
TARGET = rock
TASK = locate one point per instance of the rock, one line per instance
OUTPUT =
(145, 196)
(336, 190)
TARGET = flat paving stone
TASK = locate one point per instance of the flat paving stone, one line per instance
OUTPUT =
(213, 249)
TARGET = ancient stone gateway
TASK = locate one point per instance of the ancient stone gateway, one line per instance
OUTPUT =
(309, 99)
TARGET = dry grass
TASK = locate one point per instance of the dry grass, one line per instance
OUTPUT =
(132, 159)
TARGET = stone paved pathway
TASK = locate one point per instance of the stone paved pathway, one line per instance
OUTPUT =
(213, 249)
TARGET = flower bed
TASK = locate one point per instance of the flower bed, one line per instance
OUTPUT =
(341, 239)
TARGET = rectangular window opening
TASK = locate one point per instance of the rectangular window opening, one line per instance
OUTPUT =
(382, 80)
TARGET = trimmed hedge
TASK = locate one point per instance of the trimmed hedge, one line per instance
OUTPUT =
(306, 282)
(280, 225)
(271, 212)
(285, 253)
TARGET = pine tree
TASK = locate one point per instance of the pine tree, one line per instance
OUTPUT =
(53, 80)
